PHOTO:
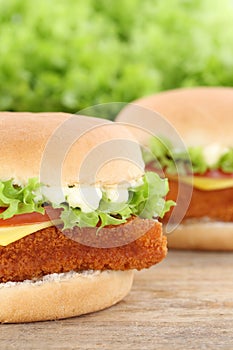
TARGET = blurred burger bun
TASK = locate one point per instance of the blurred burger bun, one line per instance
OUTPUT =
(201, 116)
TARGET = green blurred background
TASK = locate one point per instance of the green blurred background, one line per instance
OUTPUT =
(58, 55)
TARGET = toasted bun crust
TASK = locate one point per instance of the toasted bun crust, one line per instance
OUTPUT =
(196, 113)
(64, 295)
(201, 115)
(216, 236)
(34, 142)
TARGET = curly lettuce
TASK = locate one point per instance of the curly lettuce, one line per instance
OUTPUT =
(146, 200)
(163, 155)
(194, 38)
(226, 162)
(20, 199)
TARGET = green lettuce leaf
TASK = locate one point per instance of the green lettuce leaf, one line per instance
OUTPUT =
(146, 200)
(75, 217)
(226, 162)
(162, 155)
(20, 199)
(154, 204)
(197, 159)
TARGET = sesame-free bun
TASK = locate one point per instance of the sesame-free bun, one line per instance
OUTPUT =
(63, 295)
(201, 115)
(200, 235)
(82, 149)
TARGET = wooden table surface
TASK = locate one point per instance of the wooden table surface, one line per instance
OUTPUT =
(186, 302)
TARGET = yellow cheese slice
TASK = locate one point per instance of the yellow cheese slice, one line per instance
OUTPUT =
(11, 234)
(206, 183)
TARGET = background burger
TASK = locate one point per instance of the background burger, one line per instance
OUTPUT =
(203, 117)
(71, 231)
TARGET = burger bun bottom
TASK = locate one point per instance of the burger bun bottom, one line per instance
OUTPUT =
(59, 296)
(202, 235)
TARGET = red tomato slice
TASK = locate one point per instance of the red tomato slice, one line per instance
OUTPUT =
(31, 218)
(213, 174)
(216, 174)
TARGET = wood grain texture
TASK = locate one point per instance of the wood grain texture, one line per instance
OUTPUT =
(186, 302)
